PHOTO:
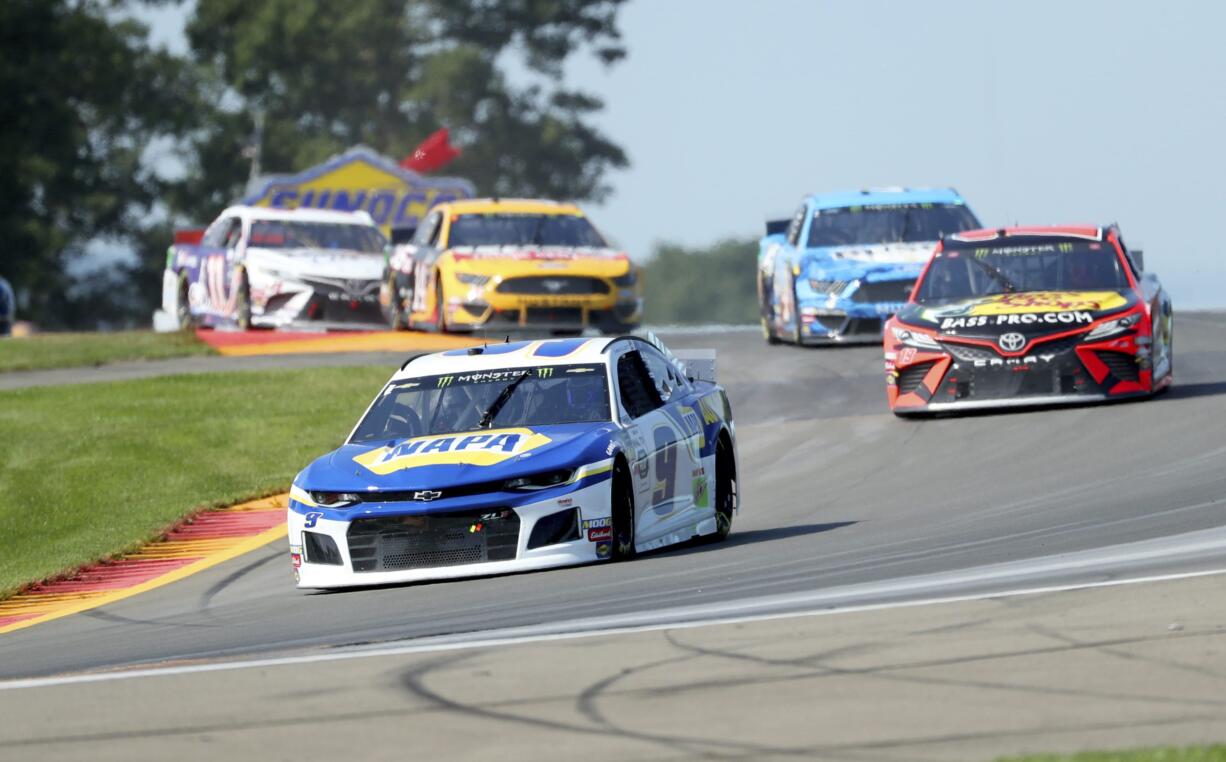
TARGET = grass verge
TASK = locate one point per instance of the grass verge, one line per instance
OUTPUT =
(72, 350)
(1215, 753)
(90, 471)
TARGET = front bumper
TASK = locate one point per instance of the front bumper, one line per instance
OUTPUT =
(390, 543)
(1057, 372)
(283, 304)
(853, 312)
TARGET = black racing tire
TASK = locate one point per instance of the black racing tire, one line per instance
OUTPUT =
(622, 498)
(797, 339)
(242, 303)
(395, 311)
(183, 308)
(440, 315)
(725, 490)
(768, 314)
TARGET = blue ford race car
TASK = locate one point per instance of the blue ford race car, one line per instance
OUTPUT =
(847, 261)
(520, 456)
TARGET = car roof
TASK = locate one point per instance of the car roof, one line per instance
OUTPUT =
(301, 214)
(1087, 232)
(511, 206)
(514, 354)
(884, 196)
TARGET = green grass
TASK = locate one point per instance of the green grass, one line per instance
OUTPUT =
(72, 350)
(92, 470)
(1215, 753)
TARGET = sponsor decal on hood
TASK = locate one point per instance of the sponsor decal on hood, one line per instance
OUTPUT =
(547, 253)
(486, 448)
(1052, 308)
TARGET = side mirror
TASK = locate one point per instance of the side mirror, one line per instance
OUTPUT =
(1138, 257)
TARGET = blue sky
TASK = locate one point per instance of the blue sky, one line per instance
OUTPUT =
(1038, 112)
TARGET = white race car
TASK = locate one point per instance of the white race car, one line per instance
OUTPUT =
(519, 456)
(275, 267)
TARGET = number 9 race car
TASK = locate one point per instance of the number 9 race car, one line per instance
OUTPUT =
(518, 456)
(1029, 316)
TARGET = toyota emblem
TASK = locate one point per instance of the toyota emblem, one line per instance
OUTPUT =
(427, 494)
(1012, 342)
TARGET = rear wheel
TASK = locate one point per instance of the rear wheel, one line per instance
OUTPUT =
(183, 308)
(725, 490)
(242, 303)
(623, 515)
(768, 317)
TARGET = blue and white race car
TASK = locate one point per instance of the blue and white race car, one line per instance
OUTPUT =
(846, 261)
(520, 456)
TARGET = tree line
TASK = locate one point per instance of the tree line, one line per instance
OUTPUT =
(108, 139)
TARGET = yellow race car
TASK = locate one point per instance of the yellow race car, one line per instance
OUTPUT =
(509, 264)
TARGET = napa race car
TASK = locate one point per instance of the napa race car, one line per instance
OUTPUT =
(847, 261)
(256, 266)
(517, 456)
(510, 264)
(1029, 316)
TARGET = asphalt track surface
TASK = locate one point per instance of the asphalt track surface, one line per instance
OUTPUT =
(842, 505)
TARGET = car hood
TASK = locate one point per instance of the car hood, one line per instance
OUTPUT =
(545, 259)
(459, 459)
(1030, 313)
(861, 261)
(324, 263)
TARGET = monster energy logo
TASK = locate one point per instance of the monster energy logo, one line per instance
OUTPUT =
(1066, 247)
(544, 372)
(981, 253)
(445, 381)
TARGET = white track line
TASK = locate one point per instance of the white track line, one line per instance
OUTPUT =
(494, 640)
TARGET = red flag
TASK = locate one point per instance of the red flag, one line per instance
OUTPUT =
(434, 152)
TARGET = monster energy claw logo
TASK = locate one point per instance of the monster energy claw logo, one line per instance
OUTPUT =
(445, 381)
(544, 372)
(1066, 247)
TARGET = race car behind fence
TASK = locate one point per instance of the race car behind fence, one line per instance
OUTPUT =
(1029, 316)
(518, 456)
(255, 266)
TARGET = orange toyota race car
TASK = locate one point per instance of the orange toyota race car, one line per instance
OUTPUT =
(1029, 316)
(509, 264)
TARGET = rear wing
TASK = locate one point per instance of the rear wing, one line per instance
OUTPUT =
(777, 227)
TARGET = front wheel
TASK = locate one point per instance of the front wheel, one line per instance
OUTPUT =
(440, 316)
(395, 315)
(623, 516)
(183, 307)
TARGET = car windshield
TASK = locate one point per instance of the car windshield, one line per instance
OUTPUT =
(1017, 265)
(285, 234)
(523, 230)
(541, 396)
(888, 223)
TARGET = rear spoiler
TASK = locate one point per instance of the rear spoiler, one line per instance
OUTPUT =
(777, 227)
(699, 364)
(189, 236)
(403, 234)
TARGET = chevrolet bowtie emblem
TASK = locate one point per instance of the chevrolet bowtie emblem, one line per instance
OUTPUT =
(427, 494)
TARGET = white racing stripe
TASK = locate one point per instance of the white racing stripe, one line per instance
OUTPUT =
(925, 590)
